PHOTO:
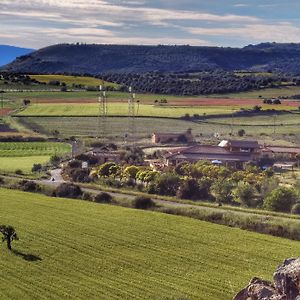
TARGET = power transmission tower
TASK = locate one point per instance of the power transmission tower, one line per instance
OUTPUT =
(131, 115)
(102, 115)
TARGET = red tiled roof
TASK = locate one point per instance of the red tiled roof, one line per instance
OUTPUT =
(282, 149)
(208, 152)
(243, 144)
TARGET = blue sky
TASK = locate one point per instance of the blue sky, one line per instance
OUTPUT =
(38, 23)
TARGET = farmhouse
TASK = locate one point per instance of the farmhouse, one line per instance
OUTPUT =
(216, 154)
(280, 152)
(240, 146)
(105, 155)
(164, 138)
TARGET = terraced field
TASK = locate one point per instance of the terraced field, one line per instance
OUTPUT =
(22, 155)
(81, 250)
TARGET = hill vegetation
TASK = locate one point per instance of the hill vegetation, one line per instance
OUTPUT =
(80, 249)
(95, 59)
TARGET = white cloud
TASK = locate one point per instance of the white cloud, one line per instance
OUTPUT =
(281, 32)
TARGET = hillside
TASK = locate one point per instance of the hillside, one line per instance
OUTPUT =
(75, 249)
(9, 53)
(95, 59)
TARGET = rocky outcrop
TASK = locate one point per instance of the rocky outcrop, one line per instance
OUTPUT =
(285, 286)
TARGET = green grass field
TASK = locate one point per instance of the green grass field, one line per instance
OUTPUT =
(11, 149)
(121, 109)
(69, 80)
(91, 251)
(265, 93)
(23, 163)
(22, 155)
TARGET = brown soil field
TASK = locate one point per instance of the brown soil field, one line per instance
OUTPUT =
(5, 111)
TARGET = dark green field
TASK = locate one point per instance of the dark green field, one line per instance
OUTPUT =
(80, 250)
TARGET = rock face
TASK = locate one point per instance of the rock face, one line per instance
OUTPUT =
(286, 285)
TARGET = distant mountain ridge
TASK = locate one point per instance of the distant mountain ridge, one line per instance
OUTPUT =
(96, 59)
(10, 53)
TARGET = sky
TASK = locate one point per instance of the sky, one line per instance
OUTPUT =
(229, 23)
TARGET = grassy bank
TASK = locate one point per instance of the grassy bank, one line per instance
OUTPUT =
(85, 250)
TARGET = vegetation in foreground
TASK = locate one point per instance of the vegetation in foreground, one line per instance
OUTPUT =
(79, 250)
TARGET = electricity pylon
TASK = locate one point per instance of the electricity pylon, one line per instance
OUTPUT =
(102, 116)
(131, 115)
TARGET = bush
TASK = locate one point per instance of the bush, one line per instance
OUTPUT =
(188, 189)
(36, 168)
(281, 199)
(87, 196)
(296, 209)
(1, 180)
(79, 175)
(103, 198)
(245, 193)
(29, 186)
(68, 190)
(166, 184)
(241, 132)
(19, 172)
(142, 202)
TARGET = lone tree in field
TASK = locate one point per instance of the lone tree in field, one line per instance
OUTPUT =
(9, 235)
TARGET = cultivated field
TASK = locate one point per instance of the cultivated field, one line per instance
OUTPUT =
(70, 80)
(76, 249)
(22, 155)
(23, 163)
(264, 93)
(121, 109)
(286, 128)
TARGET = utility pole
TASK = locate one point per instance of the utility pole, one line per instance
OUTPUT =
(102, 115)
(131, 115)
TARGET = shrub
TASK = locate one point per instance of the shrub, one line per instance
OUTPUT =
(167, 184)
(36, 168)
(54, 160)
(222, 190)
(87, 196)
(1, 180)
(103, 198)
(68, 190)
(245, 192)
(142, 202)
(188, 189)
(75, 163)
(19, 172)
(296, 209)
(79, 175)
(241, 132)
(281, 199)
(29, 186)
